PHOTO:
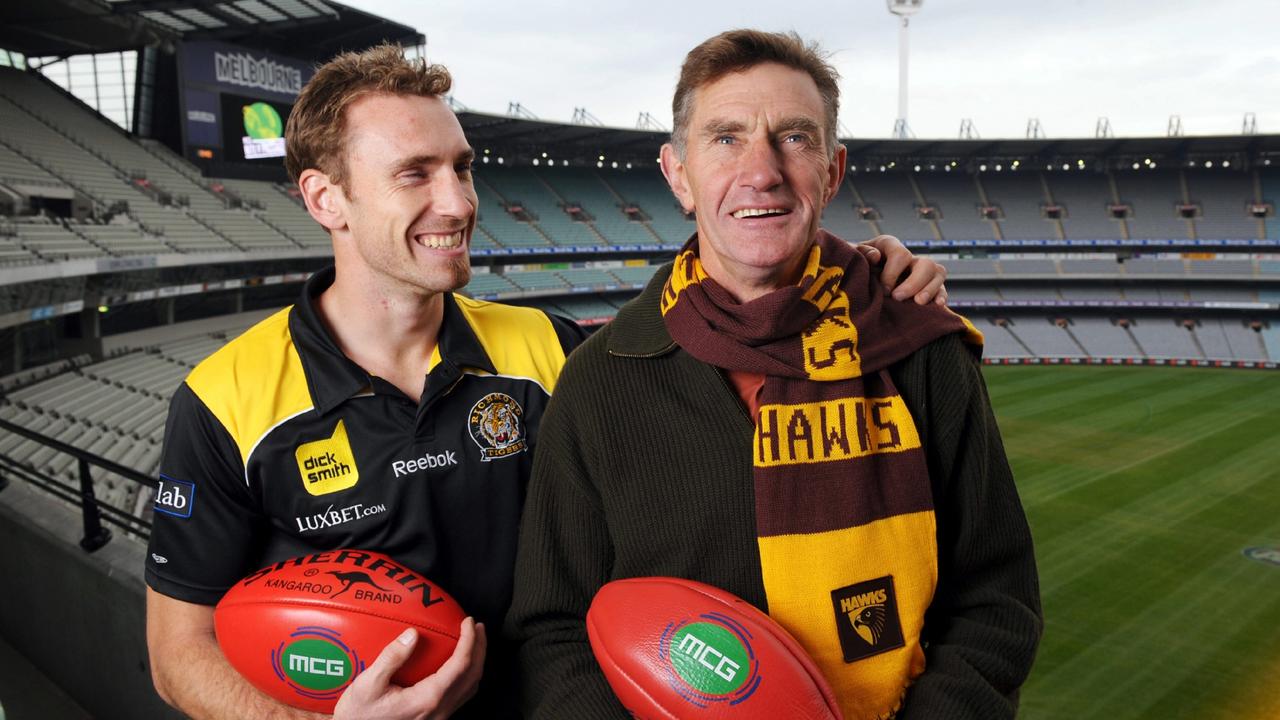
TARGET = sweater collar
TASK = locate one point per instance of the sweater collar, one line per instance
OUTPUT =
(638, 330)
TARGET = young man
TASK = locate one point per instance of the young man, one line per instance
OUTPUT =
(761, 418)
(388, 379)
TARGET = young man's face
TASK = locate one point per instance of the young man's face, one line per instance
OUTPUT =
(410, 204)
(758, 172)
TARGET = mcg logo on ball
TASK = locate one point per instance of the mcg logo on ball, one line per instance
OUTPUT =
(315, 663)
(709, 659)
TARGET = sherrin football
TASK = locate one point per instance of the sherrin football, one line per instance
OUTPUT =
(302, 629)
(677, 649)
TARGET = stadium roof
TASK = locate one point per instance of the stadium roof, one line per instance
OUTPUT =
(306, 29)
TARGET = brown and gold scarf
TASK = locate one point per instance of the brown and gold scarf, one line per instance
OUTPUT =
(844, 510)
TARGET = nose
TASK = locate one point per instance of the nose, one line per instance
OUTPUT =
(761, 167)
(453, 196)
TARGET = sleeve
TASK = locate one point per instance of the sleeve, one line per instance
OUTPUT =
(565, 555)
(206, 524)
(983, 627)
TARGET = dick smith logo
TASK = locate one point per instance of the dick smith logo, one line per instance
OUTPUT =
(175, 497)
(328, 465)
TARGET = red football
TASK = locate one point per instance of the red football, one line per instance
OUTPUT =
(676, 649)
(302, 629)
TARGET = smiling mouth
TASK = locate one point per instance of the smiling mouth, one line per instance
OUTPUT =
(760, 212)
(440, 242)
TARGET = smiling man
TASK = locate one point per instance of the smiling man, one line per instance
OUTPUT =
(762, 418)
(356, 417)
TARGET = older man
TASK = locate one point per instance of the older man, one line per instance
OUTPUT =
(378, 364)
(762, 419)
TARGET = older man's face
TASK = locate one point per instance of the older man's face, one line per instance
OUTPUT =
(758, 173)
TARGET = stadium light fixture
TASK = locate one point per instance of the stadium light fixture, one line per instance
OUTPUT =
(499, 161)
(999, 168)
(628, 166)
(601, 158)
(1208, 163)
(485, 159)
(903, 9)
(486, 151)
(948, 168)
(599, 163)
(1136, 166)
(1226, 163)
(615, 165)
(982, 168)
(1152, 166)
(103, 308)
(917, 168)
(535, 162)
(544, 154)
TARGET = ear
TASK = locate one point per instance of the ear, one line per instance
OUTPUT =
(835, 173)
(674, 171)
(326, 202)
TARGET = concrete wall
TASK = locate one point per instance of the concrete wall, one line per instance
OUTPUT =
(78, 617)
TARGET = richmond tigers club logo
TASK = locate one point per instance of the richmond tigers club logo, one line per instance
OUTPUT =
(867, 618)
(497, 426)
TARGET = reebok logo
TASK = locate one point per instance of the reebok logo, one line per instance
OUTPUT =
(328, 465)
(867, 618)
(426, 462)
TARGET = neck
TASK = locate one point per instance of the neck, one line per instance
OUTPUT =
(389, 331)
(747, 283)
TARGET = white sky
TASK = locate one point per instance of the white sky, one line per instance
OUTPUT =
(998, 62)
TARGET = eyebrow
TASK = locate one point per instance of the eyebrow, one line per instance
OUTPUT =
(717, 126)
(803, 124)
(426, 160)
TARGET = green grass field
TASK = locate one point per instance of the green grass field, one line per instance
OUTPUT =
(1143, 486)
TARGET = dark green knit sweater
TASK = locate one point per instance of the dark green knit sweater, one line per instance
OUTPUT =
(644, 468)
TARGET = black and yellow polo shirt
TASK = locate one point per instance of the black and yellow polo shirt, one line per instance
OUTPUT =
(278, 445)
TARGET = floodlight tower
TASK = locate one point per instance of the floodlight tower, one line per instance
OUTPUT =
(903, 9)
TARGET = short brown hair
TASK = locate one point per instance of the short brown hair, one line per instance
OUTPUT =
(739, 50)
(315, 135)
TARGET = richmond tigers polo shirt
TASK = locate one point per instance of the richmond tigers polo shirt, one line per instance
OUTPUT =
(278, 445)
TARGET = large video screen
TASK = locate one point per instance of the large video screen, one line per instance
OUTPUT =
(253, 128)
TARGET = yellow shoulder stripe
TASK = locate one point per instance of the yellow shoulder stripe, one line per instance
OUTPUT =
(520, 341)
(254, 382)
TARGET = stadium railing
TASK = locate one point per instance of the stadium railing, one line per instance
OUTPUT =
(94, 512)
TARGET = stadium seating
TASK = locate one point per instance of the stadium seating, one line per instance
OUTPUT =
(115, 408)
(1153, 197)
(1222, 197)
(1019, 196)
(893, 197)
(956, 197)
(598, 199)
(1085, 196)
(648, 190)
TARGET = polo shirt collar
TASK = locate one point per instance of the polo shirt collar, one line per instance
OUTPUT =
(333, 378)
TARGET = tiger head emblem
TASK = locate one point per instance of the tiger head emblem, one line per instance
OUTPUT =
(496, 426)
